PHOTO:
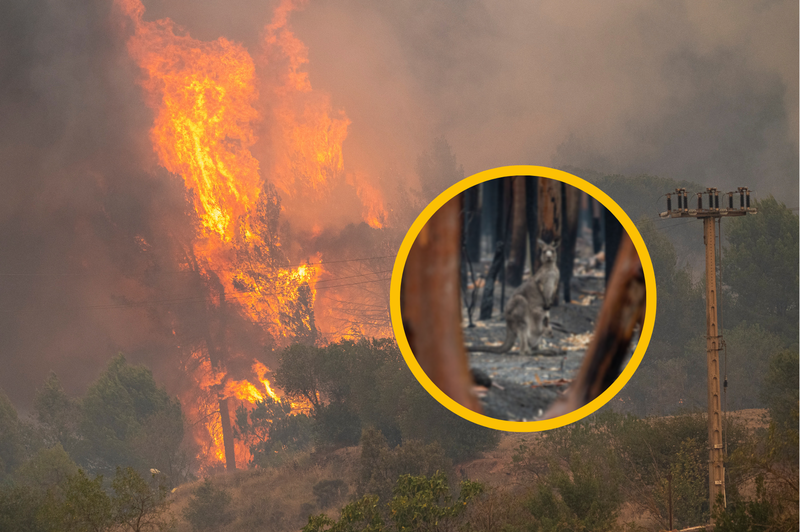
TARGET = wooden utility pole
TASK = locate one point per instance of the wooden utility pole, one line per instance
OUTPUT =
(716, 466)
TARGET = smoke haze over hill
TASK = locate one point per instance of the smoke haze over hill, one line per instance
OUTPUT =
(701, 91)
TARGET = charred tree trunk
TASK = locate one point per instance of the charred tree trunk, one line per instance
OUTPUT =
(487, 298)
(623, 308)
(431, 306)
(597, 225)
(505, 215)
(532, 217)
(472, 223)
(227, 434)
(549, 210)
(217, 353)
(614, 232)
(550, 217)
(571, 207)
(516, 255)
(489, 212)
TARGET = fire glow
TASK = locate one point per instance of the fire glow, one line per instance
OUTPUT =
(209, 99)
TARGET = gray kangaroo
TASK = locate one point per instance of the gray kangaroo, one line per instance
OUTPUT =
(548, 276)
(527, 313)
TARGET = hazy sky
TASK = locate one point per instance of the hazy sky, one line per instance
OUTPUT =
(705, 91)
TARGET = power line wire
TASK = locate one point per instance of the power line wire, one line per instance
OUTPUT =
(53, 274)
(137, 304)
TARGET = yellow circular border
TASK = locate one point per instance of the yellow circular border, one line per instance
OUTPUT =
(644, 337)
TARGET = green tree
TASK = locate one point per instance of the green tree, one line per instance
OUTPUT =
(779, 389)
(86, 505)
(425, 503)
(33, 503)
(750, 515)
(301, 374)
(679, 302)
(760, 266)
(381, 466)
(744, 362)
(161, 445)
(209, 507)
(585, 495)
(423, 418)
(271, 432)
(46, 470)
(419, 503)
(298, 317)
(362, 515)
(116, 417)
(633, 456)
(139, 505)
(771, 458)
(23, 508)
(337, 425)
(57, 414)
(12, 450)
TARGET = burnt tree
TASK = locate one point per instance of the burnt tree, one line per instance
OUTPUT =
(550, 216)
(502, 201)
(519, 228)
(431, 306)
(532, 217)
(596, 212)
(549, 212)
(472, 223)
(570, 207)
(613, 236)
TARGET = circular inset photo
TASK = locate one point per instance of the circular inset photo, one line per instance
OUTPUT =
(523, 298)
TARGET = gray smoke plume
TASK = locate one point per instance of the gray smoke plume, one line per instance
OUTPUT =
(701, 91)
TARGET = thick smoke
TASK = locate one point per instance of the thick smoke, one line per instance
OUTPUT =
(701, 91)
(690, 90)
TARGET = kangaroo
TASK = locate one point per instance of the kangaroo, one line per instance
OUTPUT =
(548, 275)
(527, 313)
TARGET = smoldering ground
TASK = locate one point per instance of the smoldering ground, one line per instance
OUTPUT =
(701, 91)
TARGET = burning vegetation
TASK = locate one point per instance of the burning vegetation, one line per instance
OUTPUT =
(215, 107)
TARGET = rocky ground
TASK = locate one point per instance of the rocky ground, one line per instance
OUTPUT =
(523, 386)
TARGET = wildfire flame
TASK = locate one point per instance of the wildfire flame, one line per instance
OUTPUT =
(209, 99)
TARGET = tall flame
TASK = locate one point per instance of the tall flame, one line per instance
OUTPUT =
(209, 100)
(204, 95)
(309, 135)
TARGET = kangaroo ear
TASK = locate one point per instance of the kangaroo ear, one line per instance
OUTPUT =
(557, 243)
(541, 242)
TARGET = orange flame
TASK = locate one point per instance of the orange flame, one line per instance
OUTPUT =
(209, 98)
(308, 133)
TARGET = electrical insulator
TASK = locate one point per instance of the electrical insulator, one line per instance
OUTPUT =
(669, 202)
(699, 201)
(747, 191)
(730, 200)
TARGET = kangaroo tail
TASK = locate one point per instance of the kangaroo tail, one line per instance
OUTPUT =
(505, 348)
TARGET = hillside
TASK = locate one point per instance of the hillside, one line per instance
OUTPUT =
(281, 498)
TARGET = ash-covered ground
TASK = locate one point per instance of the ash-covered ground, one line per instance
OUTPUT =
(523, 386)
